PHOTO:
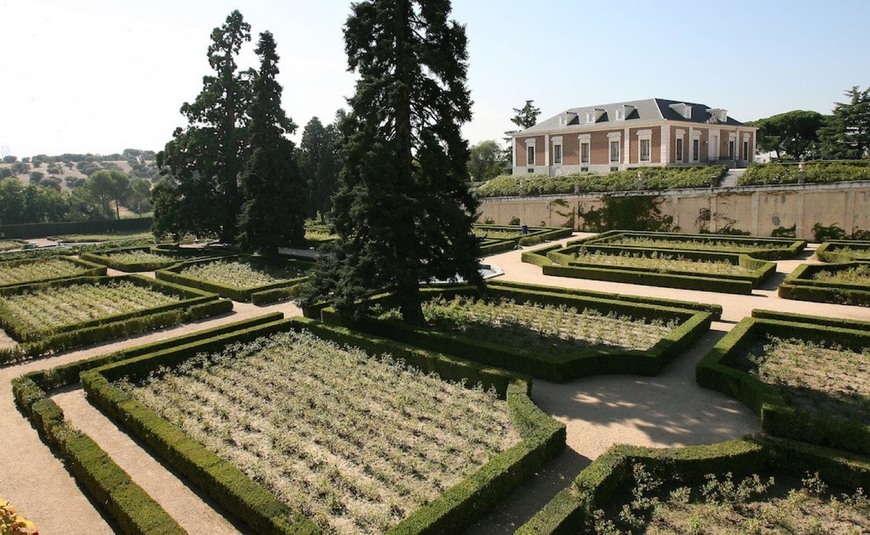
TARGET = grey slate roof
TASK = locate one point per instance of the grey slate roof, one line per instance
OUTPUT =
(651, 109)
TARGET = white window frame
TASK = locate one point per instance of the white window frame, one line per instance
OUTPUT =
(695, 148)
(557, 142)
(614, 137)
(680, 143)
(530, 144)
(585, 139)
(644, 136)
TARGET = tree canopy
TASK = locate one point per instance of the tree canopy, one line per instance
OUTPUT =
(793, 133)
(846, 133)
(527, 116)
(320, 163)
(403, 211)
(486, 161)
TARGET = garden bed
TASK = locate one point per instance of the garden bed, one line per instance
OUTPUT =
(846, 283)
(499, 238)
(844, 251)
(551, 335)
(135, 259)
(255, 279)
(44, 269)
(754, 485)
(326, 459)
(62, 314)
(807, 377)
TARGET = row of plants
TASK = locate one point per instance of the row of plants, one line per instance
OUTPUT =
(534, 335)
(541, 437)
(125, 503)
(60, 315)
(846, 283)
(9, 245)
(43, 269)
(372, 440)
(136, 259)
(756, 247)
(499, 238)
(254, 279)
(648, 178)
(805, 376)
(753, 485)
(660, 261)
(813, 173)
(843, 251)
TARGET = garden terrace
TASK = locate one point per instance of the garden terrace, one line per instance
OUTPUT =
(44, 269)
(63, 314)
(498, 238)
(687, 269)
(808, 377)
(844, 251)
(242, 278)
(756, 247)
(717, 488)
(319, 476)
(846, 284)
(814, 173)
(133, 259)
(653, 178)
(552, 335)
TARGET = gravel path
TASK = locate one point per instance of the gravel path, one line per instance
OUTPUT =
(666, 410)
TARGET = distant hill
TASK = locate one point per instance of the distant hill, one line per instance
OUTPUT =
(69, 170)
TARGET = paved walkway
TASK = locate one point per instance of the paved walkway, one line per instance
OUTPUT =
(666, 410)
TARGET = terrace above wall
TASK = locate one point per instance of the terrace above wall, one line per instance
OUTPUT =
(651, 132)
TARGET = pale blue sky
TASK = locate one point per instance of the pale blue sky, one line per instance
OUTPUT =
(101, 76)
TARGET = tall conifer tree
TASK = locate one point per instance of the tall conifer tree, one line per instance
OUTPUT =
(273, 213)
(403, 211)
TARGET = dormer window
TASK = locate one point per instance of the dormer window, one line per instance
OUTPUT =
(718, 115)
(624, 111)
(567, 118)
(683, 109)
(594, 115)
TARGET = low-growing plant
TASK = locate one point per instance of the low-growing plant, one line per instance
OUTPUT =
(241, 274)
(39, 270)
(859, 274)
(12, 523)
(141, 257)
(661, 262)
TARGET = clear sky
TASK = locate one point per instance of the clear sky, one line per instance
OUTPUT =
(104, 75)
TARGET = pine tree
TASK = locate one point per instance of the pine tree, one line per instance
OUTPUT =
(846, 133)
(273, 213)
(320, 165)
(403, 211)
(203, 161)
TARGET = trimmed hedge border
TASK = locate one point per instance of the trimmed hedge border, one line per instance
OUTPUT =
(794, 246)
(543, 437)
(778, 416)
(267, 293)
(92, 269)
(610, 474)
(105, 257)
(584, 362)
(800, 285)
(829, 250)
(194, 305)
(108, 484)
(534, 236)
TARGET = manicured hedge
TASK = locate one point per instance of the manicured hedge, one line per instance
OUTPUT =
(535, 235)
(835, 251)
(720, 370)
(41, 230)
(193, 306)
(172, 253)
(820, 172)
(581, 363)
(543, 437)
(267, 295)
(130, 507)
(800, 285)
(610, 475)
(761, 248)
(89, 269)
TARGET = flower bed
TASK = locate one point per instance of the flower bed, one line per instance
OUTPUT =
(68, 313)
(551, 335)
(15, 272)
(253, 279)
(846, 283)
(756, 247)
(844, 251)
(496, 238)
(9, 245)
(754, 485)
(11, 523)
(806, 376)
(133, 259)
(354, 441)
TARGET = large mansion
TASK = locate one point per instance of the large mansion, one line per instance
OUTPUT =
(614, 137)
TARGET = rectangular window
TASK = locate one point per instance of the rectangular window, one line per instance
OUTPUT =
(584, 153)
(557, 154)
(530, 158)
(679, 155)
(731, 150)
(644, 150)
(746, 151)
(614, 151)
(696, 149)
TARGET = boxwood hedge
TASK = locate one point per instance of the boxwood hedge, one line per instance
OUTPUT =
(88, 269)
(801, 285)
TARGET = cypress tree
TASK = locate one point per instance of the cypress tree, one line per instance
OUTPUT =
(274, 190)
(403, 211)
